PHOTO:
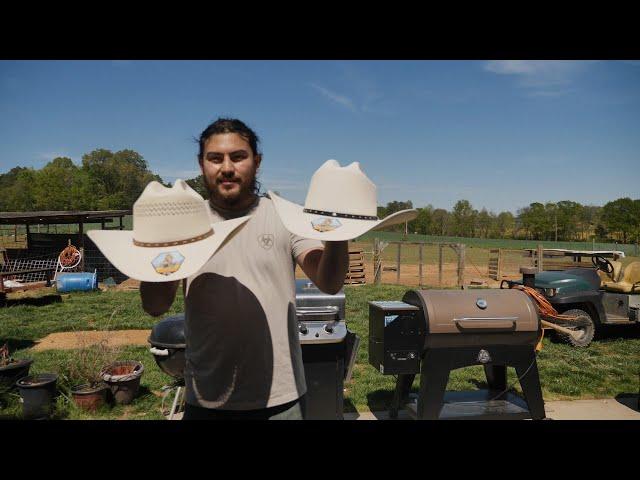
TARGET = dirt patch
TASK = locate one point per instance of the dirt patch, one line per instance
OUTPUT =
(69, 340)
(128, 284)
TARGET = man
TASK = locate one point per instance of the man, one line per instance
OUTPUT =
(243, 356)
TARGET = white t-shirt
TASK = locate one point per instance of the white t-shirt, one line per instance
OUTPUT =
(243, 351)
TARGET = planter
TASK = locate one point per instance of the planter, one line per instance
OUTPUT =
(38, 393)
(88, 397)
(11, 373)
(123, 379)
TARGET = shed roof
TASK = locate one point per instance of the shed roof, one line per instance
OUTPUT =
(53, 217)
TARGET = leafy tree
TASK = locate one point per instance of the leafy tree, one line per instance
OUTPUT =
(622, 217)
(197, 184)
(463, 218)
(440, 221)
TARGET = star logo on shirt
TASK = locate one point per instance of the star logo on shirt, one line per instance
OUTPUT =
(266, 240)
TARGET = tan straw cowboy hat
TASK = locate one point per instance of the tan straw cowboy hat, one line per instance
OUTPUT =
(341, 204)
(172, 236)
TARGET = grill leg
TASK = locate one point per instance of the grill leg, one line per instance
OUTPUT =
(433, 383)
(530, 384)
(496, 377)
(175, 403)
(403, 386)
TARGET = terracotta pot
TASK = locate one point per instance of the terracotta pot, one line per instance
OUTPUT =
(88, 397)
(123, 379)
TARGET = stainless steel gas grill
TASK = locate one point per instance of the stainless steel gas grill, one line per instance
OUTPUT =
(328, 349)
(432, 332)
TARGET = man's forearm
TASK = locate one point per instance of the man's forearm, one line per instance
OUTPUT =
(333, 266)
(157, 297)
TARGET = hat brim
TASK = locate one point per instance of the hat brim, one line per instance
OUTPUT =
(296, 221)
(138, 262)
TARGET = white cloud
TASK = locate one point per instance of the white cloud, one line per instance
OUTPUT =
(335, 97)
(540, 74)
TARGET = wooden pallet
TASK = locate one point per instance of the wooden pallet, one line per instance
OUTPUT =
(356, 273)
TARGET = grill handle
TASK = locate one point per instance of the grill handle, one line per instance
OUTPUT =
(161, 352)
(303, 311)
(486, 323)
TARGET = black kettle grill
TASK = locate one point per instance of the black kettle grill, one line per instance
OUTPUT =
(168, 345)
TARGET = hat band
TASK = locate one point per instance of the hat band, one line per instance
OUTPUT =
(341, 215)
(172, 244)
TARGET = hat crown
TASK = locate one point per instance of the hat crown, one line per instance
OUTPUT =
(344, 190)
(162, 214)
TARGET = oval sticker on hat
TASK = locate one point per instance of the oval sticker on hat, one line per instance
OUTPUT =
(324, 224)
(168, 262)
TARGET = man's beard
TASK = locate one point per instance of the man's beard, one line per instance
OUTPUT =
(246, 191)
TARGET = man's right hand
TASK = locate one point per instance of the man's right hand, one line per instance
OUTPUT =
(157, 297)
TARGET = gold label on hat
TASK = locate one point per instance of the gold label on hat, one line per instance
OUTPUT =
(323, 224)
(167, 262)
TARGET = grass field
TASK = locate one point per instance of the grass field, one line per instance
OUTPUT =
(609, 367)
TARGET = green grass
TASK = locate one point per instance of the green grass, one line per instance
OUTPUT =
(607, 368)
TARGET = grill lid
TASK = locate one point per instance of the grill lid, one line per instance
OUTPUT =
(168, 332)
(310, 298)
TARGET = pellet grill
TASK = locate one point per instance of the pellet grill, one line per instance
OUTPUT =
(431, 332)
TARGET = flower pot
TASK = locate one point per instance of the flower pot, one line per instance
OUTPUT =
(123, 379)
(89, 397)
(38, 393)
(11, 373)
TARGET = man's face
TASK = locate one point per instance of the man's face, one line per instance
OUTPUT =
(229, 169)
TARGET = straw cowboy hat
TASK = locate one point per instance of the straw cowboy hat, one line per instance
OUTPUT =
(172, 236)
(341, 204)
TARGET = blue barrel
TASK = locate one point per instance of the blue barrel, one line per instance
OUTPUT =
(77, 282)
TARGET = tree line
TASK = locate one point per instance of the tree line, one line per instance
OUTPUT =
(104, 181)
(618, 220)
(113, 180)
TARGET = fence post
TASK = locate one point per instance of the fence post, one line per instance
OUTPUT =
(420, 265)
(440, 265)
(377, 264)
(398, 264)
(499, 264)
(539, 254)
(461, 252)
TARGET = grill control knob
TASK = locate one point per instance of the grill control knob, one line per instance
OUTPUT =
(303, 329)
(328, 329)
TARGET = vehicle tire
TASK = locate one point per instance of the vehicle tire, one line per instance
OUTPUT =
(584, 324)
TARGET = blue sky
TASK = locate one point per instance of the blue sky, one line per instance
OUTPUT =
(501, 134)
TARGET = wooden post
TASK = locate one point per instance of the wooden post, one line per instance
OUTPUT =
(440, 265)
(461, 252)
(28, 237)
(398, 264)
(420, 265)
(377, 264)
(121, 226)
(81, 235)
(540, 255)
(499, 275)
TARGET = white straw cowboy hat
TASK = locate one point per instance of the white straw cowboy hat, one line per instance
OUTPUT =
(341, 204)
(172, 236)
